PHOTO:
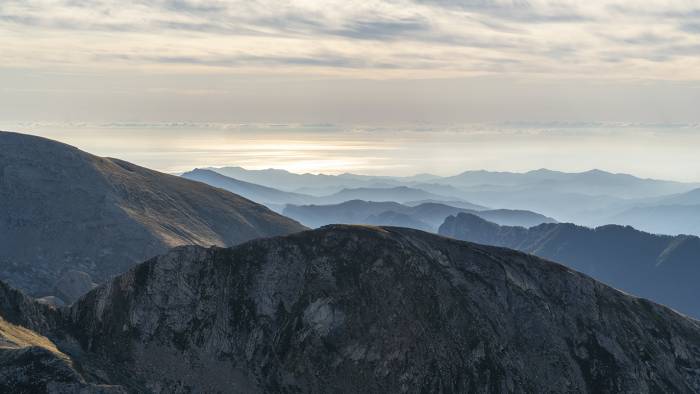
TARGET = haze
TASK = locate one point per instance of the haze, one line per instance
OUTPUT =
(665, 152)
(398, 87)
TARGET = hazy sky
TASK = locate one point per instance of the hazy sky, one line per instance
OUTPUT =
(669, 151)
(393, 65)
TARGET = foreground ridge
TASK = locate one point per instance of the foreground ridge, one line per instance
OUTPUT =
(373, 309)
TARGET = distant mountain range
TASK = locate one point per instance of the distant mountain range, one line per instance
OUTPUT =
(452, 203)
(320, 184)
(665, 269)
(348, 309)
(69, 218)
(276, 198)
(664, 219)
(271, 197)
(592, 198)
(674, 214)
(590, 183)
(425, 216)
(398, 194)
(589, 198)
(688, 198)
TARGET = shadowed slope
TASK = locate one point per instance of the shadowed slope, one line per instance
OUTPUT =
(63, 209)
(29, 361)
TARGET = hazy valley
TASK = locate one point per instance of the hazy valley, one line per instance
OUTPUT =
(369, 301)
(591, 198)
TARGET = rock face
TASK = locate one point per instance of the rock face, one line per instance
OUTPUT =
(29, 361)
(351, 309)
(364, 309)
(662, 268)
(62, 209)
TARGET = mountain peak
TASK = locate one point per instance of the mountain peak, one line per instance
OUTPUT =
(542, 171)
(370, 307)
(596, 171)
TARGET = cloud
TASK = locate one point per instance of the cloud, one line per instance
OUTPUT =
(517, 10)
(384, 29)
(691, 27)
(651, 39)
(327, 59)
(198, 7)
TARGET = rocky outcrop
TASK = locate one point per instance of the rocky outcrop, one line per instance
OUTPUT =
(30, 362)
(662, 268)
(63, 210)
(362, 309)
(19, 309)
(351, 309)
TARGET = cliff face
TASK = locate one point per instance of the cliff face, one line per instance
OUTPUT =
(364, 309)
(30, 362)
(64, 211)
(348, 309)
(662, 268)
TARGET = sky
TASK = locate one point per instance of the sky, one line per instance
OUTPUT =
(490, 84)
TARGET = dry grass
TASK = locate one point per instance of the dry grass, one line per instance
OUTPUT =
(16, 337)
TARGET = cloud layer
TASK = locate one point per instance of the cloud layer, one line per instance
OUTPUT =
(623, 39)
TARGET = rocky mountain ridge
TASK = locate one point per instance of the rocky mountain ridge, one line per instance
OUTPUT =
(370, 309)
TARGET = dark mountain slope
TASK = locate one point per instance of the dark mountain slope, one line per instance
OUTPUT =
(62, 209)
(361, 309)
(29, 361)
(662, 268)
(352, 309)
